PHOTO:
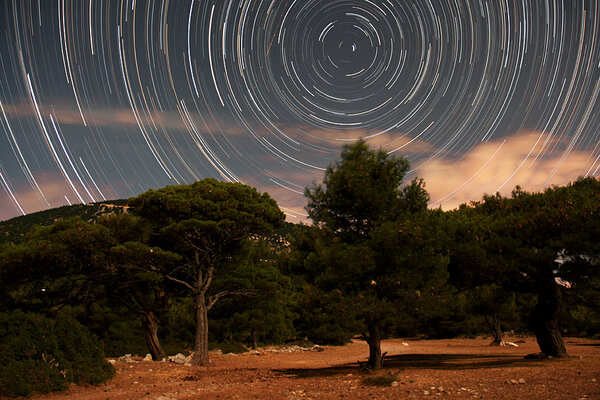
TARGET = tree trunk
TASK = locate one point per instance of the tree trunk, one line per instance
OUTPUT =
(493, 323)
(201, 350)
(374, 342)
(254, 341)
(154, 313)
(545, 319)
(151, 325)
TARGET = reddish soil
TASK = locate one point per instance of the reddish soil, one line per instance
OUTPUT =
(425, 369)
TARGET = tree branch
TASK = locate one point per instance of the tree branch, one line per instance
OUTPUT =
(209, 278)
(213, 299)
(184, 283)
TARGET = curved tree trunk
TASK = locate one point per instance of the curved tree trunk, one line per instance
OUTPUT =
(153, 313)
(493, 323)
(201, 349)
(151, 325)
(545, 319)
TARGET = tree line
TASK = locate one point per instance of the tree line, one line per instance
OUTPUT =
(375, 262)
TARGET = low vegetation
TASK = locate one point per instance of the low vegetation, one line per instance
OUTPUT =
(40, 355)
(385, 379)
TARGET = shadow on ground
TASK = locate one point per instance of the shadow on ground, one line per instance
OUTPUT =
(421, 361)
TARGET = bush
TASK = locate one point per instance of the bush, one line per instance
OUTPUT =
(228, 347)
(380, 380)
(40, 355)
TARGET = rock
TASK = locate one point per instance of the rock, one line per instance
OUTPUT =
(178, 359)
(511, 344)
(405, 344)
(514, 381)
(255, 352)
(165, 398)
(148, 357)
(126, 358)
(218, 351)
(113, 362)
(395, 383)
(521, 381)
(426, 392)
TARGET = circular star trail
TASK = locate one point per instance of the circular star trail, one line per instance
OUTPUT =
(105, 99)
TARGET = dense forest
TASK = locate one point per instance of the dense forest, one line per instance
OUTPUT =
(213, 265)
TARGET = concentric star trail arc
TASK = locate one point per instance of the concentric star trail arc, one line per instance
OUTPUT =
(105, 99)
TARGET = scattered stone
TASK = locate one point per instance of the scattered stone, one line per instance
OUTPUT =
(514, 381)
(395, 383)
(113, 362)
(126, 358)
(405, 344)
(178, 358)
(255, 352)
(522, 381)
(148, 357)
(426, 392)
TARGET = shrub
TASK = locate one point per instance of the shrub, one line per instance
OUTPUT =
(40, 355)
(380, 379)
(228, 347)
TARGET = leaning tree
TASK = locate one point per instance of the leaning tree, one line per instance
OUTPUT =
(205, 222)
(547, 240)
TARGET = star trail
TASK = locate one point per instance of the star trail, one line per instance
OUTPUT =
(105, 99)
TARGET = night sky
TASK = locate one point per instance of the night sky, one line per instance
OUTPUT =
(105, 99)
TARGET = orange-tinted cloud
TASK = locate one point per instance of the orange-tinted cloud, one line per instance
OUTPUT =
(500, 166)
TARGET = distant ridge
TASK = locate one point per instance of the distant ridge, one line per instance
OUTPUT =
(14, 229)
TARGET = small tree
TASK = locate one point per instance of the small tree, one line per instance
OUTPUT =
(265, 316)
(206, 223)
(131, 277)
(362, 209)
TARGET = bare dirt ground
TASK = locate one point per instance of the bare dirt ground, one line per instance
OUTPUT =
(426, 369)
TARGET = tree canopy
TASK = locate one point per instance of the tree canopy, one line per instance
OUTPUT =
(371, 249)
(205, 222)
(541, 243)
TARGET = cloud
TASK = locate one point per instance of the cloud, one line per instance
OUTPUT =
(501, 165)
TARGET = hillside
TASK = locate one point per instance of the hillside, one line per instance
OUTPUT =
(14, 229)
